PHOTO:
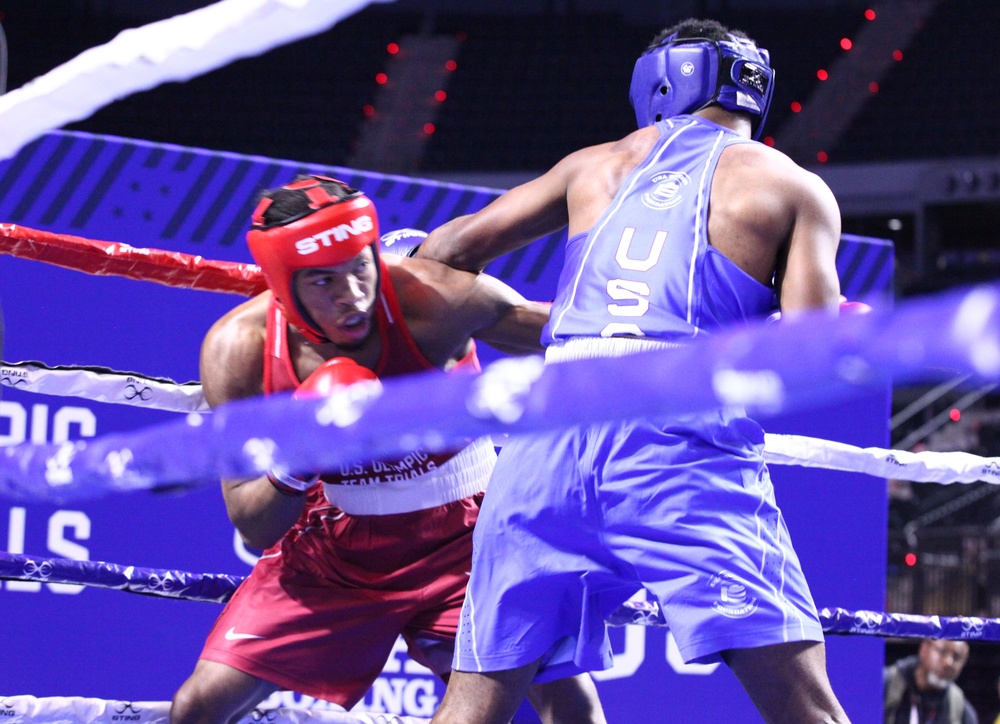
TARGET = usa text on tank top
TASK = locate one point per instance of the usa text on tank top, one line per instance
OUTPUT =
(646, 269)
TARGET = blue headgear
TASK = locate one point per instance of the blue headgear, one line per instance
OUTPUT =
(683, 75)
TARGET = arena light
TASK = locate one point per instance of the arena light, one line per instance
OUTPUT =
(846, 43)
(822, 157)
(450, 65)
(796, 107)
(381, 78)
(897, 55)
(869, 14)
(822, 74)
(440, 95)
(392, 48)
(911, 559)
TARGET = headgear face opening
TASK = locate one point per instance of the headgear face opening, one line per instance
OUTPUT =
(683, 75)
(333, 230)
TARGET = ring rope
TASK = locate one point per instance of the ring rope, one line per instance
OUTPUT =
(89, 710)
(107, 258)
(161, 582)
(219, 588)
(175, 49)
(747, 366)
(102, 384)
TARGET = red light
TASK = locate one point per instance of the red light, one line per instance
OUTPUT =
(897, 55)
(450, 65)
(873, 87)
(440, 95)
(822, 74)
(392, 48)
(911, 559)
(796, 106)
(769, 141)
(869, 14)
(429, 128)
(846, 43)
(368, 110)
(822, 157)
(381, 78)
(955, 414)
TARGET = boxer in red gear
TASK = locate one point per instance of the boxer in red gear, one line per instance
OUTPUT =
(374, 551)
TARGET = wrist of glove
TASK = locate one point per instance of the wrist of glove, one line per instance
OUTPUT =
(293, 485)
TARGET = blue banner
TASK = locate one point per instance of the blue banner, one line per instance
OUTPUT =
(60, 639)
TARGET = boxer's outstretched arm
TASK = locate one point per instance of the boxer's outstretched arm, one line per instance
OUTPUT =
(445, 307)
(515, 219)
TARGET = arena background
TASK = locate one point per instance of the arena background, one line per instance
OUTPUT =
(912, 159)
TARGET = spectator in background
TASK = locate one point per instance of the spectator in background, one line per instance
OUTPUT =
(921, 689)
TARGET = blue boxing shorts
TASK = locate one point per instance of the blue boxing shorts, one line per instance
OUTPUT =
(577, 521)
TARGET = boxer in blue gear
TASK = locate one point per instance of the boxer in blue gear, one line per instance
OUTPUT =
(681, 228)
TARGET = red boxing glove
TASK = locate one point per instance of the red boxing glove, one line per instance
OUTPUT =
(334, 373)
(329, 376)
(847, 307)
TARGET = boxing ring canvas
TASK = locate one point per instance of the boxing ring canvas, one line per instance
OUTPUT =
(63, 640)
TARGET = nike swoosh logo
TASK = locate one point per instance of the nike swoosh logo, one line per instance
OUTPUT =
(231, 635)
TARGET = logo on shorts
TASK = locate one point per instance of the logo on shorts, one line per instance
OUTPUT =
(231, 635)
(733, 600)
(666, 191)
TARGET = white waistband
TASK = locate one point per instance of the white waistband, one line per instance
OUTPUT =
(576, 348)
(463, 475)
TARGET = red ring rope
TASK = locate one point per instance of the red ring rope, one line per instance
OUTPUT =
(106, 258)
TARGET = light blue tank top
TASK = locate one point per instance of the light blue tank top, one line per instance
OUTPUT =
(646, 269)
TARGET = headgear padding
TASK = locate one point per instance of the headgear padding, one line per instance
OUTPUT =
(683, 75)
(332, 230)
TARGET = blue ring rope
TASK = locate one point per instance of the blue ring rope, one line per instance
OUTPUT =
(794, 365)
(219, 588)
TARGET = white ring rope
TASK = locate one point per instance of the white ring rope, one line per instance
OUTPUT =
(919, 467)
(101, 384)
(130, 388)
(87, 710)
(175, 49)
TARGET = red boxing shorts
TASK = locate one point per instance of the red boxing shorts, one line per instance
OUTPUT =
(321, 610)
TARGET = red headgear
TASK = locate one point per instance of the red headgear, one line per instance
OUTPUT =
(333, 230)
